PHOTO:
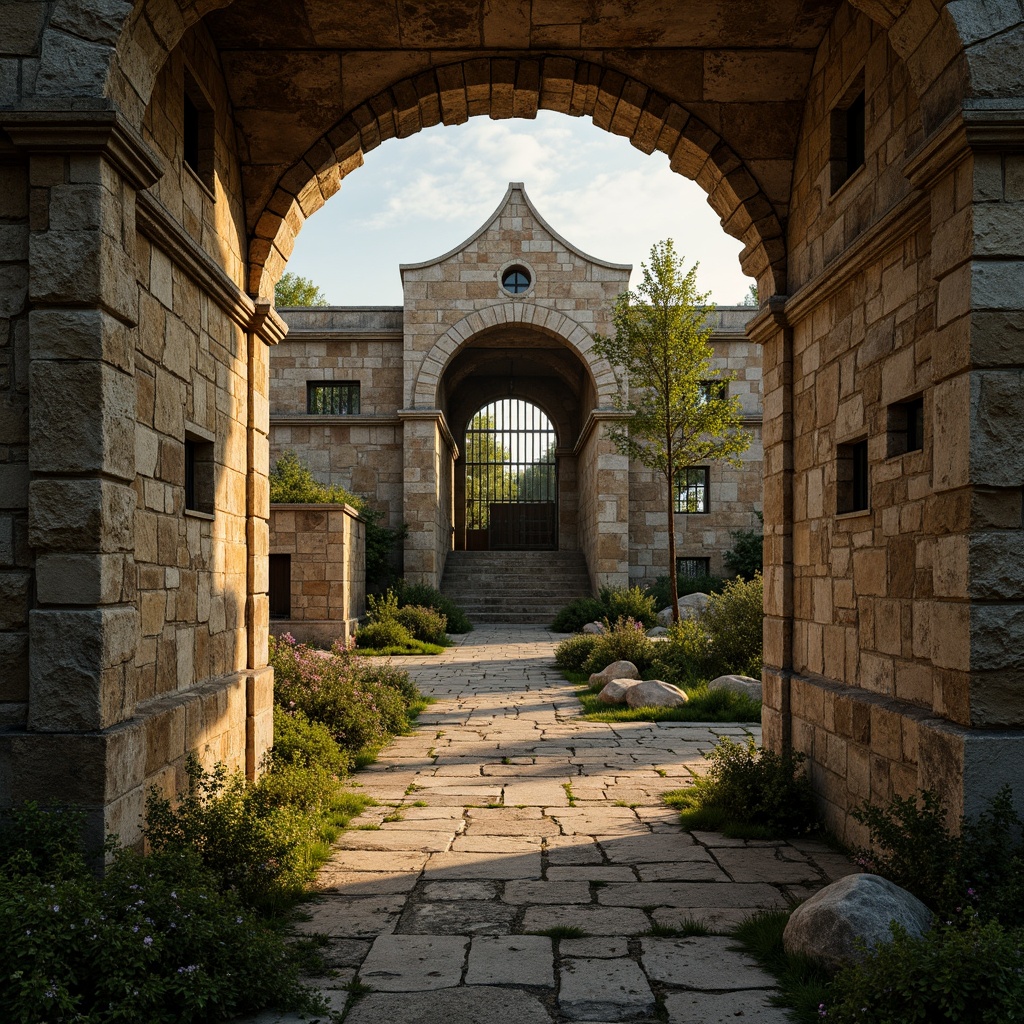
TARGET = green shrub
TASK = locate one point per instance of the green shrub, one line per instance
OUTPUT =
(734, 620)
(751, 791)
(980, 870)
(747, 555)
(383, 633)
(576, 614)
(292, 482)
(428, 597)
(625, 641)
(661, 591)
(684, 656)
(158, 939)
(360, 703)
(572, 653)
(298, 740)
(964, 976)
(630, 602)
(425, 624)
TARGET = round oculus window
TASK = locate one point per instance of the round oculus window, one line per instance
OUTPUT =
(516, 280)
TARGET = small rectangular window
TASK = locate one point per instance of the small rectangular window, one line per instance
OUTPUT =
(713, 389)
(848, 135)
(199, 475)
(336, 398)
(198, 132)
(692, 568)
(906, 427)
(280, 586)
(692, 489)
(852, 491)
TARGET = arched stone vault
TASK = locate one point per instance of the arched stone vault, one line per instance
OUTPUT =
(549, 321)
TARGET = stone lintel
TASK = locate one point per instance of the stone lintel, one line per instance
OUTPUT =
(437, 416)
(598, 416)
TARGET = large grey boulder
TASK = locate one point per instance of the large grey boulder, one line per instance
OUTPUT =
(746, 685)
(616, 670)
(690, 607)
(593, 628)
(615, 691)
(657, 631)
(655, 693)
(861, 906)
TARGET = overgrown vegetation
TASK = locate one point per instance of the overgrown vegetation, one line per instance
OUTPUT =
(749, 793)
(612, 603)
(412, 629)
(661, 589)
(747, 555)
(420, 595)
(703, 705)
(291, 482)
(624, 640)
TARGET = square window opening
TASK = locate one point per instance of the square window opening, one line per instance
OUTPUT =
(905, 427)
(280, 586)
(199, 475)
(852, 491)
(848, 135)
(198, 132)
(332, 398)
(713, 389)
(693, 568)
(692, 490)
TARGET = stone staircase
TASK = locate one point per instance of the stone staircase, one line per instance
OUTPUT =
(526, 587)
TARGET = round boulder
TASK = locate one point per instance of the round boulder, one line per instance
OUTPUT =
(593, 628)
(616, 670)
(690, 607)
(653, 693)
(657, 631)
(862, 906)
(615, 691)
(746, 685)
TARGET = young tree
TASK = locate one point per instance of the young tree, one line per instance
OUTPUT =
(293, 290)
(679, 414)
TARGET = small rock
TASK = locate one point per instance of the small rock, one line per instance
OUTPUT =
(655, 693)
(746, 685)
(690, 607)
(593, 628)
(615, 691)
(616, 670)
(856, 907)
(657, 631)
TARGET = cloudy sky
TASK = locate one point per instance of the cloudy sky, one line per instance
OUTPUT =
(417, 198)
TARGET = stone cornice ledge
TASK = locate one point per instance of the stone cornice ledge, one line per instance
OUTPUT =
(436, 416)
(102, 132)
(316, 419)
(597, 416)
(155, 222)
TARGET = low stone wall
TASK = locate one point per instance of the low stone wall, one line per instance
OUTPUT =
(326, 545)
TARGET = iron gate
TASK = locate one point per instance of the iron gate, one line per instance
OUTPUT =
(511, 478)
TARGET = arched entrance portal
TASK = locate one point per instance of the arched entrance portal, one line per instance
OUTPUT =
(511, 479)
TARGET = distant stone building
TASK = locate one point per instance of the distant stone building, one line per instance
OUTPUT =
(477, 412)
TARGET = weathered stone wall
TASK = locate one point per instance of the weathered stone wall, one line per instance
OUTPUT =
(327, 545)
(734, 492)
(361, 453)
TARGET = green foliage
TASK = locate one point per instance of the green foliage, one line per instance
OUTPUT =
(753, 788)
(299, 740)
(574, 651)
(611, 603)
(249, 835)
(157, 940)
(577, 613)
(427, 597)
(381, 546)
(702, 706)
(661, 589)
(385, 633)
(625, 641)
(293, 290)
(291, 482)
(362, 705)
(980, 870)
(662, 334)
(971, 975)
(425, 624)
(747, 555)
(726, 638)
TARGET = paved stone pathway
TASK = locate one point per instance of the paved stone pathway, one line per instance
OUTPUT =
(505, 816)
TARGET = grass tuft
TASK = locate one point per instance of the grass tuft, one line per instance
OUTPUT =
(563, 931)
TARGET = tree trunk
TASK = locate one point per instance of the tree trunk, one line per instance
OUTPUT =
(672, 575)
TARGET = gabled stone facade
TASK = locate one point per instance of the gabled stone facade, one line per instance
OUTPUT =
(460, 341)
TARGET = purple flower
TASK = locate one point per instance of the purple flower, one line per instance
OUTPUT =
(148, 940)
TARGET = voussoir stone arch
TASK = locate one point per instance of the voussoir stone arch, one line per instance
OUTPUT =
(503, 88)
(426, 389)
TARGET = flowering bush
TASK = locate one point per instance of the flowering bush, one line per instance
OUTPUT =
(627, 640)
(572, 653)
(157, 940)
(361, 704)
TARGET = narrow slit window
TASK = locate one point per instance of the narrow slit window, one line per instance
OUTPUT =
(198, 133)
(848, 135)
(852, 491)
(332, 398)
(199, 475)
(280, 586)
(906, 427)
(692, 489)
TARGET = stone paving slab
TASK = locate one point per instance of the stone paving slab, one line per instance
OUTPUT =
(434, 909)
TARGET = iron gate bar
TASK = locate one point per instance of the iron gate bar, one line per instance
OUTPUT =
(511, 476)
